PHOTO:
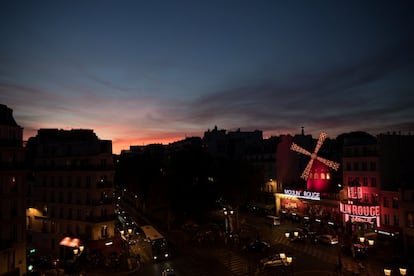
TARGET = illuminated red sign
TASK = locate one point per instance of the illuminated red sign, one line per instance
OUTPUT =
(70, 242)
(359, 210)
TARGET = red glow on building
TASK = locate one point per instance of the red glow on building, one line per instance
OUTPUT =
(319, 177)
(70, 242)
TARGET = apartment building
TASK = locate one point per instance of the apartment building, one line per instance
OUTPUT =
(375, 172)
(12, 196)
(71, 192)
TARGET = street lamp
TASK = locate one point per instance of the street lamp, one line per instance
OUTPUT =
(371, 242)
(362, 239)
(287, 261)
(296, 233)
(287, 234)
(387, 271)
(403, 271)
(227, 219)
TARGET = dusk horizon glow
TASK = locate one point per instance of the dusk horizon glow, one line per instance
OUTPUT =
(143, 72)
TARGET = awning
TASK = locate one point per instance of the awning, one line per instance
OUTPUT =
(388, 230)
(70, 242)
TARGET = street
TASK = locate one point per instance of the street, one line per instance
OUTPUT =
(219, 258)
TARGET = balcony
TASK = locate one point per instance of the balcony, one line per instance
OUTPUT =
(104, 184)
(104, 201)
(100, 218)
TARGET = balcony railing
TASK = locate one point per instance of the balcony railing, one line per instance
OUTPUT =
(105, 201)
(100, 218)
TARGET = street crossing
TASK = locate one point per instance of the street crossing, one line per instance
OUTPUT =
(235, 263)
(348, 264)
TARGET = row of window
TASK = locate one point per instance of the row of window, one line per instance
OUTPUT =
(80, 214)
(77, 182)
(66, 197)
(393, 202)
(386, 221)
(360, 166)
(362, 181)
(361, 151)
(50, 226)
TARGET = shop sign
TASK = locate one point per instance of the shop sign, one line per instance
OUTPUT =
(362, 219)
(359, 210)
(303, 194)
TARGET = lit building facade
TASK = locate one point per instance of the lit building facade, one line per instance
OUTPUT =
(376, 171)
(71, 191)
(314, 199)
(360, 204)
(12, 196)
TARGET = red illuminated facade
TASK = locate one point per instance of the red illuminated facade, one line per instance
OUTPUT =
(319, 177)
(311, 191)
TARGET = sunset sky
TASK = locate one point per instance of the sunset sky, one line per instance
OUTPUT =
(140, 72)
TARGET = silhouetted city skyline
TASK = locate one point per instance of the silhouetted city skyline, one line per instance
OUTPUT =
(141, 72)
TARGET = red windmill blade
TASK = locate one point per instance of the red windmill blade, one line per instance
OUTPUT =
(314, 156)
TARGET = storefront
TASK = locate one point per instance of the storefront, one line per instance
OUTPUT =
(359, 217)
(308, 207)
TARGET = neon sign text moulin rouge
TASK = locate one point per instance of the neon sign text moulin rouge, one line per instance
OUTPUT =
(359, 210)
(303, 194)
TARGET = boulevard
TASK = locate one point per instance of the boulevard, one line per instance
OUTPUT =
(221, 258)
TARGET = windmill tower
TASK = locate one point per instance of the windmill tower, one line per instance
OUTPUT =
(314, 157)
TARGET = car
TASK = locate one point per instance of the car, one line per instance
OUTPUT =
(257, 246)
(327, 239)
(168, 272)
(271, 261)
(297, 234)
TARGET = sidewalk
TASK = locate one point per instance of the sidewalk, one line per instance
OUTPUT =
(127, 268)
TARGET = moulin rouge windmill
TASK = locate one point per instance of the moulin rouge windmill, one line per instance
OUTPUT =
(313, 156)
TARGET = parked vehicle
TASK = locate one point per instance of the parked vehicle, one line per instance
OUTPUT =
(327, 239)
(257, 246)
(271, 261)
(168, 272)
(297, 234)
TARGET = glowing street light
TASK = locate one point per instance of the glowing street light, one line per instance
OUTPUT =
(387, 271)
(287, 234)
(403, 271)
(227, 220)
